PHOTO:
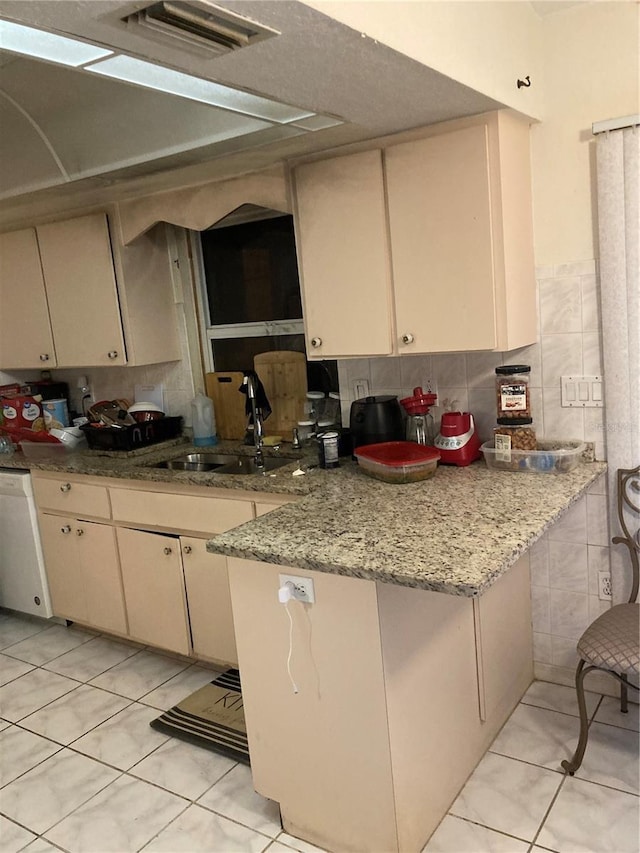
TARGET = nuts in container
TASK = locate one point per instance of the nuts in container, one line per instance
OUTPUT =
(515, 437)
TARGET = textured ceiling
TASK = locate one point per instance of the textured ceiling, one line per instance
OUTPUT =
(62, 126)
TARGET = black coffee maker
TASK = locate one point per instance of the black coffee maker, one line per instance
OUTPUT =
(376, 419)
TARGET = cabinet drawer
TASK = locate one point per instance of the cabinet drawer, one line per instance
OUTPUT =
(81, 499)
(179, 512)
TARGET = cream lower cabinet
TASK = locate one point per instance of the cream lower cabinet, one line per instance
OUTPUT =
(139, 567)
(209, 602)
(83, 572)
(154, 592)
(424, 244)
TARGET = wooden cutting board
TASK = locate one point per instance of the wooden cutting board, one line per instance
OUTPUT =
(228, 403)
(284, 376)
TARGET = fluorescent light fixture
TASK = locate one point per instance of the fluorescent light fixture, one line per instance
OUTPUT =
(205, 91)
(60, 49)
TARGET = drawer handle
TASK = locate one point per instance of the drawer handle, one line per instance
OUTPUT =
(65, 487)
(187, 549)
(112, 354)
(44, 356)
(407, 339)
(167, 551)
(79, 532)
(65, 529)
(316, 342)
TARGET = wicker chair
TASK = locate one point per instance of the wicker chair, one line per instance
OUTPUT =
(612, 642)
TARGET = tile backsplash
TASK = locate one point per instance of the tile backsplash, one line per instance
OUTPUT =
(569, 342)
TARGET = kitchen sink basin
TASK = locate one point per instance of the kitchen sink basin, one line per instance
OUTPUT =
(220, 463)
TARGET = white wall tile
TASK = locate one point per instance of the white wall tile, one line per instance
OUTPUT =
(560, 423)
(385, 376)
(591, 319)
(482, 405)
(540, 609)
(450, 369)
(539, 562)
(531, 355)
(415, 372)
(561, 356)
(569, 613)
(597, 520)
(598, 561)
(586, 267)
(542, 647)
(561, 305)
(572, 527)
(563, 652)
(592, 354)
(597, 607)
(481, 369)
(545, 272)
(568, 566)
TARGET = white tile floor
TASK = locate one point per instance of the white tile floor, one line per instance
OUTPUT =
(81, 769)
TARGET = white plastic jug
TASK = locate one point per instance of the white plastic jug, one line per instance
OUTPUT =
(203, 421)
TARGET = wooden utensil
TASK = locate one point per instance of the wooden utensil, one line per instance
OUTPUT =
(284, 376)
(228, 403)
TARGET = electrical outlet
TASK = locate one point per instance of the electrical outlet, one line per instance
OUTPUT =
(302, 588)
(604, 586)
(429, 386)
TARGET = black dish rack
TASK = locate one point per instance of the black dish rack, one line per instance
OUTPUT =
(133, 436)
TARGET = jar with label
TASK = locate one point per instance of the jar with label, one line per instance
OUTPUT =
(512, 392)
(305, 430)
(314, 405)
(521, 437)
(328, 449)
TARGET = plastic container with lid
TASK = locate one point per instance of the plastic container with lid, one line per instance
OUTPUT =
(397, 461)
(512, 392)
(305, 430)
(314, 405)
(551, 457)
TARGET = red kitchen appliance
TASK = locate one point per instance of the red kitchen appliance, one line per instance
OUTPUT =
(457, 440)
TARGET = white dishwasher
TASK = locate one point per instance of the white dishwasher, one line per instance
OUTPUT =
(23, 581)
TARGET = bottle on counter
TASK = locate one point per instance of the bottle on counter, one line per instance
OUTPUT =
(203, 421)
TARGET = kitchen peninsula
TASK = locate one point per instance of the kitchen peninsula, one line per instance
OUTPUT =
(417, 647)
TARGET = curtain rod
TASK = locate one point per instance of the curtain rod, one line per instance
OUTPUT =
(615, 123)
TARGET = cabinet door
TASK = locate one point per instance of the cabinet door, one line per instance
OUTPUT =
(154, 589)
(97, 555)
(81, 289)
(64, 572)
(441, 239)
(342, 245)
(25, 335)
(209, 602)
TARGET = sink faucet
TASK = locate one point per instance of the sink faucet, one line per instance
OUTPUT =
(256, 415)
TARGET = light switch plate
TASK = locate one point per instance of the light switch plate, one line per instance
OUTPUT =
(582, 392)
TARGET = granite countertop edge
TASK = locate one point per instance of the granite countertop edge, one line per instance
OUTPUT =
(456, 533)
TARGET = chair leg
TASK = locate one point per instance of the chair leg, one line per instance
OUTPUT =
(576, 761)
(623, 694)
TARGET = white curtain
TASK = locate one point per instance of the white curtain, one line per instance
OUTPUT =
(618, 176)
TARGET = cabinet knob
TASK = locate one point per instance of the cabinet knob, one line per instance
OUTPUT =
(407, 339)
(79, 532)
(187, 549)
(65, 529)
(65, 487)
(167, 551)
(112, 354)
(316, 342)
(44, 356)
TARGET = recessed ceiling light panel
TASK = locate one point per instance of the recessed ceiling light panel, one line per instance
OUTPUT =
(48, 46)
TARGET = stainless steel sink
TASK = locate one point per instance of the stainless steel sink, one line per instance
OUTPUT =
(220, 463)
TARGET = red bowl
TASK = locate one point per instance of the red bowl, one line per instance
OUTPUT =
(145, 415)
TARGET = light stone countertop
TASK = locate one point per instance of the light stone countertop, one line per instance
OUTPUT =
(456, 533)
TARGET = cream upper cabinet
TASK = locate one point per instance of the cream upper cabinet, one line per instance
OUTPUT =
(82, 293)
(60, 280)
(341, 237)
(25, 330)
(429, 242)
